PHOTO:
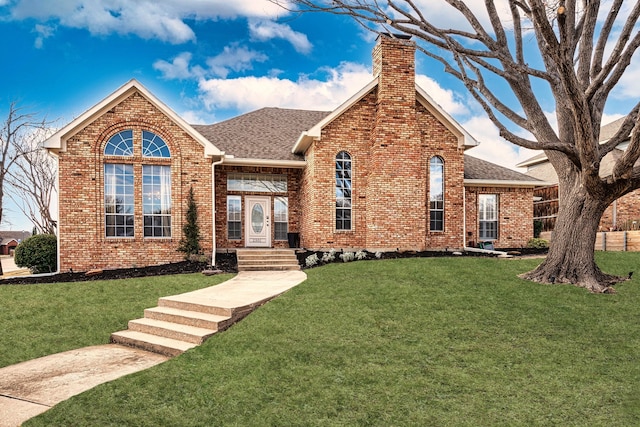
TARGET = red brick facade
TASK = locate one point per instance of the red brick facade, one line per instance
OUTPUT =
(390, 134)
(82, 240)
(515, 215)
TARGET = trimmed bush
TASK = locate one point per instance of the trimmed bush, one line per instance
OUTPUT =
(537, 243)
(39, 253)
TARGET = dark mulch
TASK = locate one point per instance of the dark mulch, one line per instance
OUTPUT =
(302, 255)
(225, 262)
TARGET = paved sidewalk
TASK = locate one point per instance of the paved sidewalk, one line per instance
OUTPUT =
(30, 388)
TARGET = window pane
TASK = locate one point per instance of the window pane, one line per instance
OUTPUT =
(343, 191)
(120, 144)
(234, 217)
(156, 196)
(154, 146)
(257, 183)
(436, 194)
(118, 200)
(488, 216)
(281, 217)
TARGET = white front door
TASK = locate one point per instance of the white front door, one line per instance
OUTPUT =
(257, 221)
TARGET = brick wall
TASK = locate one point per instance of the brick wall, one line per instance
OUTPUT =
(292, 194)
(391, 138)
(627, 210)
(515, 215)
(81, 173)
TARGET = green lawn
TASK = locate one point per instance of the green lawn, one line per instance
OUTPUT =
(415, 342)
(38, 320)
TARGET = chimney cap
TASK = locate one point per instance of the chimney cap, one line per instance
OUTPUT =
(395, 35)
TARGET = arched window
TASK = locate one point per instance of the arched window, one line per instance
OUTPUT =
(343, 191)
(120, 144)
(436, 194)
(154, 146)
(122, 192)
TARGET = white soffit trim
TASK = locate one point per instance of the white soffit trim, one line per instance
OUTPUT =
(306, 138)
(58, 141)
(465, 140)
(505, 183)
(292, 164)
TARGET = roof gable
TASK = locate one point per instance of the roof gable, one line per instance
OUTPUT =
(465, 140)
(266, 134)
(58, 141)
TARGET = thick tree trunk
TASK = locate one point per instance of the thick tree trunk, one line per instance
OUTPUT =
(571, 253)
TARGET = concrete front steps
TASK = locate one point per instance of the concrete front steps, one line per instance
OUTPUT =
(174, 327)
(267, 259)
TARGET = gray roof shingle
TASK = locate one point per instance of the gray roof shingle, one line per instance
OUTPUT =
(475, 168)
(268, 133)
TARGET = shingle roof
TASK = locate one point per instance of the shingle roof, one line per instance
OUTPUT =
(17, 235)
(268, 133)
(475, 168)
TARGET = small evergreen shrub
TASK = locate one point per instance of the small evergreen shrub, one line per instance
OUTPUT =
(537, 228)
(311, 260)
(537, 243)
(39, 253)
(190, 242)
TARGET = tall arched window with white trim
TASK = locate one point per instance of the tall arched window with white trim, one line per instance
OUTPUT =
(436, 194)
(343, 191)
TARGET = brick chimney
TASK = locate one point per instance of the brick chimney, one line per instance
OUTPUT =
(396, 182)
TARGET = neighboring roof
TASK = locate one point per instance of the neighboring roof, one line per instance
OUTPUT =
(58, 141)
(6, 241)
(480, 172)
(606, 132)
(268, 133)
(465, 140)
(14, 235)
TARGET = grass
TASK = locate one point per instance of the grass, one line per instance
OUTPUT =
(429, 342)
(38, 320)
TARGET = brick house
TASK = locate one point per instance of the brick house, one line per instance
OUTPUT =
(622, 214)
(386, 170)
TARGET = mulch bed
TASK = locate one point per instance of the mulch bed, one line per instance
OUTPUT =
(227, 263)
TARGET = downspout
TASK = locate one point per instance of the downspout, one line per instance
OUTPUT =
(55, 156)
(213, 208)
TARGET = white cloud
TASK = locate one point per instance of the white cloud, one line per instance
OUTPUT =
(44, 32)
(264, 30)
(446, 98)
(249, 93)
(493, 148)
(148, 19)
(179, 68)
(234, 58)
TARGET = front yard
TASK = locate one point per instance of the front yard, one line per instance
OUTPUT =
(431, 341)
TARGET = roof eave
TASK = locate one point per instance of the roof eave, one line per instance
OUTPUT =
(58, 141)
(465, 140)
(290, 164)
(504, 183)
(307, 137)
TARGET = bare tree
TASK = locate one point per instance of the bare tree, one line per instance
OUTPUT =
(15, 126)
(32, 182)
(584, 49)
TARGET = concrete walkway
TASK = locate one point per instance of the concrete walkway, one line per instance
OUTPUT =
(30, 388)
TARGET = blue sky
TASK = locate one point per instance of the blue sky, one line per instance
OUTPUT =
(212, 60)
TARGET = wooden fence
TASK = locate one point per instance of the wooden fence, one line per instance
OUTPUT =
(612, 240)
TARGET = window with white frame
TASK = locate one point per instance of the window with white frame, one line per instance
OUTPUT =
(343, 191)
(234, 217)
(120, 193)
(118, 200)
(436, 194)
(156, 200)
(488, 216)
(281, 217)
